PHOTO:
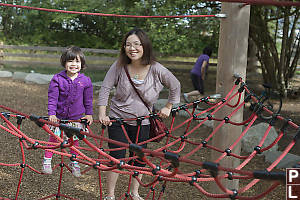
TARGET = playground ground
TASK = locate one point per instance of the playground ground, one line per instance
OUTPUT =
(32, 99)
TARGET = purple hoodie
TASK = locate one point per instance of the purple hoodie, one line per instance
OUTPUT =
(69, 99)
(198, 65)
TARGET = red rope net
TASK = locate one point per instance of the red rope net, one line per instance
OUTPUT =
(163, 164)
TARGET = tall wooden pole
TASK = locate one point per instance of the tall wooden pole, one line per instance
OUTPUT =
(232, 59)
(1, 56)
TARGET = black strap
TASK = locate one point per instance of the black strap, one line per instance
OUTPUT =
(137, 92)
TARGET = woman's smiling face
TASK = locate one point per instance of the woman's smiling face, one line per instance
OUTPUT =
(133, 48)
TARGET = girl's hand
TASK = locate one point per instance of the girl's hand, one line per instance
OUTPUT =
(105, 120)
(53, 118)
(89, 119)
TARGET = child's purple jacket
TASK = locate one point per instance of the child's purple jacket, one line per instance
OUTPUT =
(69, 99)
(198, 65)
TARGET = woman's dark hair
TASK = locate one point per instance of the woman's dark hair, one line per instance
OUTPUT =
(70, 53)
(147, 58)
(207, 51)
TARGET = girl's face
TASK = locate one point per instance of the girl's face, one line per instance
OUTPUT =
(73, 66)
(133, 48)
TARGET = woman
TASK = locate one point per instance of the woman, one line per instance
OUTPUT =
(149, 78)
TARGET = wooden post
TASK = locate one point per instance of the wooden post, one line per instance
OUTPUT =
(232, 59)
(1, 56)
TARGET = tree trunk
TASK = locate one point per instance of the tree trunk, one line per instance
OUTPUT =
(277, 68)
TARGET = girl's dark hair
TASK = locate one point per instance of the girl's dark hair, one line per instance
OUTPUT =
(70, 53)
(147, 58)
(207, 51)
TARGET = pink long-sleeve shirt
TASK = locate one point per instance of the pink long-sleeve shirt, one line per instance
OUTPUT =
(126, 103)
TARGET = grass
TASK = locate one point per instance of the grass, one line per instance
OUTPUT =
(95, 75)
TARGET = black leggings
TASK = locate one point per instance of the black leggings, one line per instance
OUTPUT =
(115, 132)
(197, 83)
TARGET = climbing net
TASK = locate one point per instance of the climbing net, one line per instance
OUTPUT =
(163, 164)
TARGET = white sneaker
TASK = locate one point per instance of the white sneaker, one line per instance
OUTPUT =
(109, 198)
(47, 168)
(200, 108)
(215, 96)
(75, 169)
(186, 98)
(136, 196)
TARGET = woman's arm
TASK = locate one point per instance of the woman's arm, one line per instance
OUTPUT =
(103, 118)
(110, 80)
(171, 82)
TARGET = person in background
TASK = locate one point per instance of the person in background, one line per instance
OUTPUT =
(70, 97)
(149, 77)
(198, 74)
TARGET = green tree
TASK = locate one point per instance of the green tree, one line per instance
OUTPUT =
(169, 35)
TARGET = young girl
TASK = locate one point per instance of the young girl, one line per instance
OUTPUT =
(70, 97)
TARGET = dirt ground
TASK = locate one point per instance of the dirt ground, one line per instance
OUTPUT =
(32, 99)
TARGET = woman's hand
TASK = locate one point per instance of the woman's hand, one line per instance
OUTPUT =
(89, 119)
(103, 118)
(165, 111)
(53, 118)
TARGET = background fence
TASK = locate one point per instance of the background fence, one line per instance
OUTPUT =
(97, 59)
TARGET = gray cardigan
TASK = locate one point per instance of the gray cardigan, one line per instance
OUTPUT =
(126, 103)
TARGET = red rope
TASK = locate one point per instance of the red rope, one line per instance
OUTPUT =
(262, 2)
(167, 156)
(102, 14)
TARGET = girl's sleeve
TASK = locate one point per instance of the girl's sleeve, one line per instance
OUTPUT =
(88, 98)
(170, 81)
(110, 80)
(53, 93)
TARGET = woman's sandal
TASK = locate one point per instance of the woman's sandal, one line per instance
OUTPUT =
(109, 198)
(136, 197)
